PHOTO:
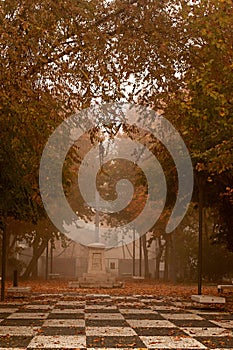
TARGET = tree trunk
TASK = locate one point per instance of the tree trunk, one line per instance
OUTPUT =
(146, 261)
(31, 266)
(173, 257)
(158, 258)
(140, 256)
(4, 258)
(134, 253)
(12, 244)
(166, 260)
(35, 267)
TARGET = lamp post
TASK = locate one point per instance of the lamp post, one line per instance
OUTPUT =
(97, 216)
(200, 232)
(4, 257)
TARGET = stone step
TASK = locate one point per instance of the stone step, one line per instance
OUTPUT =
(88, 284)
(81, 283)
(97, 281)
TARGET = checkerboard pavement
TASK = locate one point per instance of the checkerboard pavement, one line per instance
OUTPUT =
(111, 322)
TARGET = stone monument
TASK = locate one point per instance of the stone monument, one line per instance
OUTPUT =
(96, 275)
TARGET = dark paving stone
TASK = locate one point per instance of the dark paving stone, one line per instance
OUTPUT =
(28, 311)
(20, 322)
(217, 317)
(65, 316)
(193, 323)
(115, 342)
(62, 331)
(131, 306)
(71, 307)
(216, 342)
(14, 341)
(4, 315)
(155, 331)
(11, 306)
(29, 348)
(106, 323)
(171, 311)
(98, 303)
(146, 316)
(43, 302)
(102, 311)
(159, 303)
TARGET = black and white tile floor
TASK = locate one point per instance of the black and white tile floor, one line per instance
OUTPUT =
(108, 322)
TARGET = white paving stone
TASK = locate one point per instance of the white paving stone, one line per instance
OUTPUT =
(206, 312)
(164, 307)
(131, 305)
(150, 323)
(104, 316)
(18, 348)
(101, 307)
(181, 316)
(183, 304)
(74, 303)
(64, 323)
(18, 330)
(98, 296)
(165, 342)
(38, 307)
(118, 298)
(151, 300)
(11, 303)
(67, 311)
(58, 342)
(6, 310)
(28, 315)
(223, 323)
(207, 332)
(137, 311)
(120, 349)
(110, 331)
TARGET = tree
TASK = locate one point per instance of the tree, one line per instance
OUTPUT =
(208, 105)
(59, 57)
(51, 63)
(200, 106)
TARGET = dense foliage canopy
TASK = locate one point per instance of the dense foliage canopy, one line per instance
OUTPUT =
(58, 57)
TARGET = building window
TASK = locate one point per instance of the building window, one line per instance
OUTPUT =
(112, 265)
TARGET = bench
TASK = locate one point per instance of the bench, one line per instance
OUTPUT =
(208, 299)
(126, 274)
(53, 276)
(19, 292)
(221, 287)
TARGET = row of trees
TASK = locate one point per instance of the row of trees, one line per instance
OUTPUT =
(59, 57)
(179, 251)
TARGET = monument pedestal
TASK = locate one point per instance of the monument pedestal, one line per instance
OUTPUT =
(96, 275)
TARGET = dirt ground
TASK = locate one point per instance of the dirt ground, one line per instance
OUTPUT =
(181, 292)
(131, 287)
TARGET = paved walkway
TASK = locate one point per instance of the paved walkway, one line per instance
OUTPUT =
(108, 322)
